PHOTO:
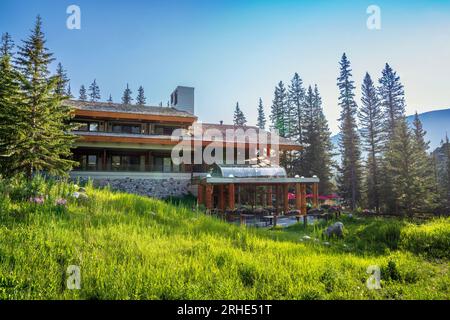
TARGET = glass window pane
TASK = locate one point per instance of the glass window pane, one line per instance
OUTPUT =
(93, 126)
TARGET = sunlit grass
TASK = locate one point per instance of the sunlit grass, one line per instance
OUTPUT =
(131, 247)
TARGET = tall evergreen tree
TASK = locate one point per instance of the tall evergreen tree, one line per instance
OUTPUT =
(426, 181)
(239, 117)
(62, 82)
(69, 91)
(110, 99)
(94, 92)
(392, 98)
(7, 45)
(447, 175)
(12, 135)
(278, 110)
(317, 141)
(140, 99)
(296, 97)
(83, 95)
(350, 169)
(404, 170)
(371, 129)
(43, 116)
(126, 98)
(261, 121)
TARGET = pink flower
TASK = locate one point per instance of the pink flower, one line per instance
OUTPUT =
(61, 202)
(37, 200)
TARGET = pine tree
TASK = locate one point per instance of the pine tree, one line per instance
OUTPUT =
(140, 99)
(392, 98)
(447, 174)
(43, 116)
(83, 95)
(371, 121)
(12, 135)
(7, 45)
(126, 98)
(350, 169)
(69, 91)
(239, 117)
(426, 181)
(404, 170)
(317, 141)
(62, 82)
(278, 110)
(296, 97)
(110, 99)
(261, 121)
(94, 91)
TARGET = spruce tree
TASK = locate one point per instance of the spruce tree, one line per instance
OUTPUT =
(392, 98)
(43, 116)
(126, 98)
(94, 92)
(371, 129)
(239, 117)
(140, 99)
(278, 110)
(317, 141)
(296, 97)
(404, 170)
(447, 174)
(69, 91)
(63, 80)
(7, 45)
(426, 181)
(350, 169)
(83, 95)
(261, 121)
(12, 135)
(110, 99)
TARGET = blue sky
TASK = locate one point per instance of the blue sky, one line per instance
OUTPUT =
(238, 50)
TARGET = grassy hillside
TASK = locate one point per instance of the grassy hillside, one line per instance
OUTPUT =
(130, 247)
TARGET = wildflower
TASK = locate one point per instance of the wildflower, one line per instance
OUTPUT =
(61, 202)
(76, 195)
(37, 200)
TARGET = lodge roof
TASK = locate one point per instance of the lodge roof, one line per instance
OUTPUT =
(223, 127)
(123, 108)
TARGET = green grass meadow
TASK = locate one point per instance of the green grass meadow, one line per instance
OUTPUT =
(131, 247)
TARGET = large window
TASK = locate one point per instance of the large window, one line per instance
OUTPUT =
(88, 162)
(86, 126)
(126, 128)
(125, 163)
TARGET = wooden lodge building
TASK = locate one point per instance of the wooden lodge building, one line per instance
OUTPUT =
(134, 143)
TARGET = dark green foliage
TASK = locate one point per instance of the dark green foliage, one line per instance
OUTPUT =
(83, 95)
(110, 99)
(261, 121)
(62, 81)
(392, 98)
(278, 110)
(126, 98)
(140, 99)
(7, 45)
(371, 121)
(350, 168)
(43, 142)
(94, 92)
(239, 117)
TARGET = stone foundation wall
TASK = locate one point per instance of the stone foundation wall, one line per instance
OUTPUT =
(157, 188)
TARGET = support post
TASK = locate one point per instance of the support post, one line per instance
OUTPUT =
(285, 198)
(269, 196)
(231, 196)
(303, 197)
(222, 197)
(316, 195)
(298, 197)
(209, 196)
(200, 196)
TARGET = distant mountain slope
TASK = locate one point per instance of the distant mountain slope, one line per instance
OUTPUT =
(436, 123)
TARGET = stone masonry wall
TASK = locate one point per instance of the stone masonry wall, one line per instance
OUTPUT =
(157, 188)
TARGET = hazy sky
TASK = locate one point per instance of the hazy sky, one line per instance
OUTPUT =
(238, 50)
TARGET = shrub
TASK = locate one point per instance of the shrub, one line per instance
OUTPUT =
(431, 239)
